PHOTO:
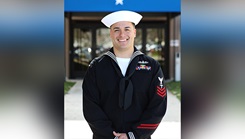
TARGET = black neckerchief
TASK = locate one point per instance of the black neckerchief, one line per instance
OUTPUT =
(125, 83)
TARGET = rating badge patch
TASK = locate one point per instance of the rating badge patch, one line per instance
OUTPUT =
(161, 91)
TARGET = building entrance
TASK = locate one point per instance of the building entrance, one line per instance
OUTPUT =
(91, 40)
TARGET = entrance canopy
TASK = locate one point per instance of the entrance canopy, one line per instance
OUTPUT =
(114, 5)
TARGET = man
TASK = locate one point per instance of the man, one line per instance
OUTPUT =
(124, 95)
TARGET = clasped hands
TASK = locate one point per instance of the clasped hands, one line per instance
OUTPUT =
(120, 135)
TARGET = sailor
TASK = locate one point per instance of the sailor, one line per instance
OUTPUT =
(124, 95)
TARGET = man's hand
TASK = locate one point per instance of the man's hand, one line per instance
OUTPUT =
(120, 135)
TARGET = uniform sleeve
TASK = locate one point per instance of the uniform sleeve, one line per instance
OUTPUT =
(100, 125)
(155, 110)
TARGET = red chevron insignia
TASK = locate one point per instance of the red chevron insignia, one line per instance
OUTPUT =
(161, 91)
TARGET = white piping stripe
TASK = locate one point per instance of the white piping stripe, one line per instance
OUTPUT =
(131, 135)
(110, 54)
(136, 53)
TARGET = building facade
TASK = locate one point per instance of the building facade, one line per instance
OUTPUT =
(158, 33)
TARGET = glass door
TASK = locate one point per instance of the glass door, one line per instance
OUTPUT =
(81, 51)
(155, 43)
(103, 41)
(155, 47)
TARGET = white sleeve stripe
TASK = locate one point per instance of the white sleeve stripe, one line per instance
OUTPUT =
(131, 135)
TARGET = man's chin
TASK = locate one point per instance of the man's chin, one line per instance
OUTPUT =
(124, 47)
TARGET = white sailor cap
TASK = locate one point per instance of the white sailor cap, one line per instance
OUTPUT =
(124, 15)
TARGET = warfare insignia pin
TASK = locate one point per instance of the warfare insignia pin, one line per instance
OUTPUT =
(143, 62)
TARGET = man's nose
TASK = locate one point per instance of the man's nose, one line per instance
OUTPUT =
(122, 33)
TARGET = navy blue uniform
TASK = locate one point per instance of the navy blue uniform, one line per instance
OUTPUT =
(133, 104)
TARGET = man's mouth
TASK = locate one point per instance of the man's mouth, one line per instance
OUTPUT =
(122, 40)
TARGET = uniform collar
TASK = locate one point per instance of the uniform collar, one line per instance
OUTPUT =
(112, 55)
